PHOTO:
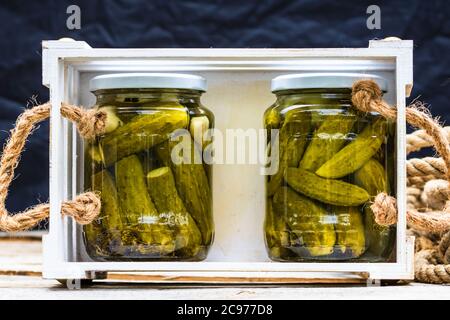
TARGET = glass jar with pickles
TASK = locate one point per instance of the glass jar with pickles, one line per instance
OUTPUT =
(156, 197)
(332, 161)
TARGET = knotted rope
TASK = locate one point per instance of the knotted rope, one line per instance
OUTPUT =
(422, 173)
(90, 122)
(85, 207)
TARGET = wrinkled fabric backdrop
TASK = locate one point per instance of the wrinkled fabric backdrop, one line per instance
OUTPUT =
(189, 24)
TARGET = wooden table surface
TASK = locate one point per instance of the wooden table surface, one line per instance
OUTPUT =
(20, 278)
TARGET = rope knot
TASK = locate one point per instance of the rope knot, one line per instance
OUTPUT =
(384, 209)
(365, 91)
(90, 122)
(85, 208)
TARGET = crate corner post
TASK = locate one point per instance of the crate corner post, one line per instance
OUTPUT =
(56, 264)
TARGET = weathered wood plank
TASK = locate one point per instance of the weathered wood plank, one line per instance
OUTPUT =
(35, 288)
(20, 256)
(129, 277)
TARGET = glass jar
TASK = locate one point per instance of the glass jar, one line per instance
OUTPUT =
(332, 161)
(148, 168)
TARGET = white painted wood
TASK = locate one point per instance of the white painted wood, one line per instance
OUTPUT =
(55, 251)
(395, 44)
(243, 53)
(56, 44)
(20, 255)
(238, 94)
(65, 43)
(238, 64)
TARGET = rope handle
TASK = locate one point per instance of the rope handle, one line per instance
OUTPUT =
(367, 97)
(86, 206)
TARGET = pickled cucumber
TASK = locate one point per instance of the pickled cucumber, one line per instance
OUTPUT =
(92, 163)
(138, 208)
(191, 182)
(291, 145)
(94, 154)
(272, 119)
(329, 191)
(372, 177)
(350, 231)
(96, 236)
(106, 228)
(307, 220)
(141, 133)
(198, 128)
(327, 140)
(276, 232)
(110, 215)
(112, 120)
(149, 160)
(161, 186)
(354, 155)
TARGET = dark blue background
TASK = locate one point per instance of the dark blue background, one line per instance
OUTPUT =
(244, 23)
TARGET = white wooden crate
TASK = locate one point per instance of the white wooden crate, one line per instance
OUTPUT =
(238, 93)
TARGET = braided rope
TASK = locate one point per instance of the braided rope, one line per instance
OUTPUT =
(413, 199)
(85, 207)
(420, 171)
(435, 194)
(419, 139)
(90, 122)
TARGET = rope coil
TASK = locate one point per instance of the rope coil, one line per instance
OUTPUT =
(85, 207)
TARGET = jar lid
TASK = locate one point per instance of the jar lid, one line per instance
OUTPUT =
(148, 81)
(323, 80)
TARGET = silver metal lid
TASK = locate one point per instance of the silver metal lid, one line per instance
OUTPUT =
(323, 80)
(148, 81)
